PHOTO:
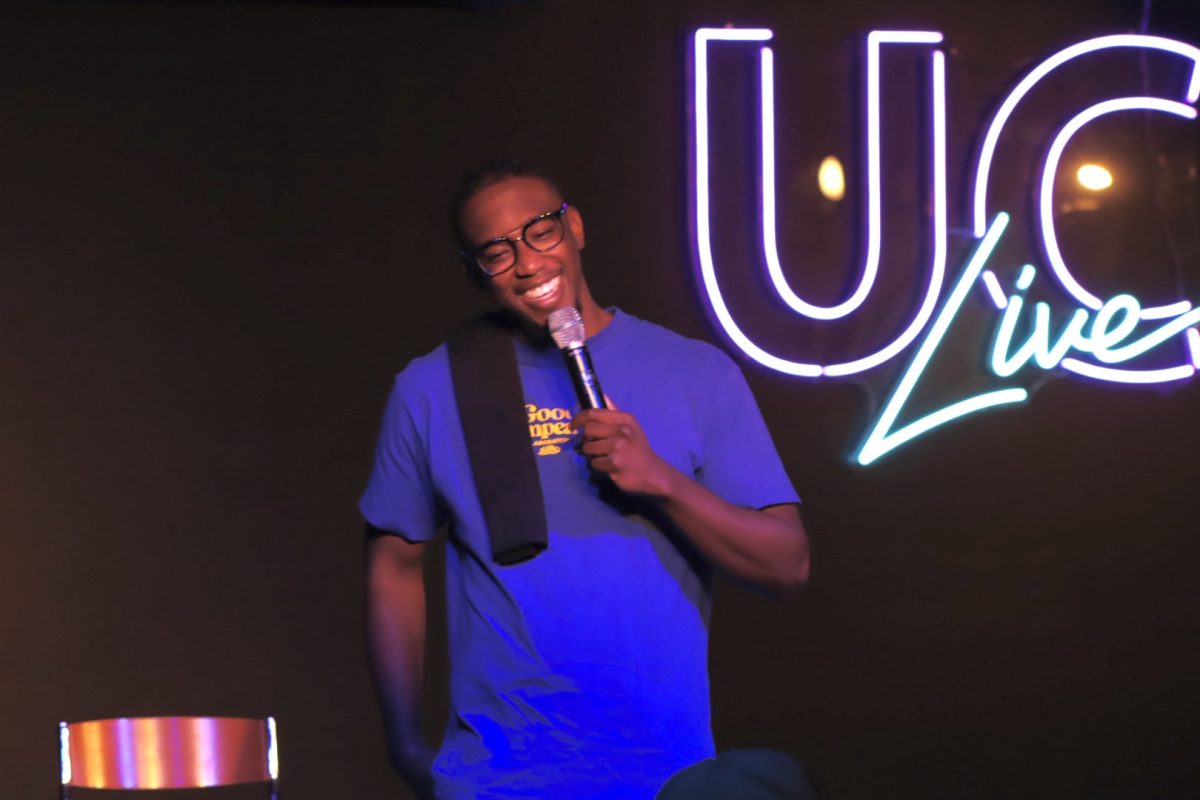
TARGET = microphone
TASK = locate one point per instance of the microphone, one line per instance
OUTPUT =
(566, 328)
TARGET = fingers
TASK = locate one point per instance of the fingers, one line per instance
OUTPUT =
(607, 450)
(600, 447)
(598, 430)
(608, 438)
(593, 415)
(602, 464)
(600, 421)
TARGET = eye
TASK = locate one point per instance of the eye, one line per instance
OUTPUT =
(541, 230)
(494, 255)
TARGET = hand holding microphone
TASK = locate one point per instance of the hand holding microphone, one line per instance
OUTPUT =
(612, 440)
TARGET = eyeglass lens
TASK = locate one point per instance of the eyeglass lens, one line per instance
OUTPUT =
(540, 235)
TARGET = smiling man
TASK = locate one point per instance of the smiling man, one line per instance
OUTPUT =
(580, 672)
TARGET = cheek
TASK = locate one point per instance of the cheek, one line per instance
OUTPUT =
(501, 292)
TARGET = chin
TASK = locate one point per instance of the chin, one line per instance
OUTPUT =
(532, 325)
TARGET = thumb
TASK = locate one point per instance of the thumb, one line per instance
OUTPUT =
(609, 404)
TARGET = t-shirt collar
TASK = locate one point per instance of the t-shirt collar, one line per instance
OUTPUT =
(549, 355)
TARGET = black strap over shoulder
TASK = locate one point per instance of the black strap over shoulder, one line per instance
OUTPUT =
(491, 405)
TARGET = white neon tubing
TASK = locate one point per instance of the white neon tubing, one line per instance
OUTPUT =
(1154, 339)
(937, 269)
(874, 203)
(1026, 276)
(1104, 334)
(988, 150)
(1103, 341)
(995, 293)
(1193, 340)
(272, 749)
(882, 438)
(1068, 338)
(1046, 195)
(1182, 372)
(1037, 345)
(979, 402)
(703, 222)
(64, 752)
(703, 232)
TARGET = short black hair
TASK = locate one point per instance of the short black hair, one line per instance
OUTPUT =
(484, 175)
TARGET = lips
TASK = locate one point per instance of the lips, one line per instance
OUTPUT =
(544, 294)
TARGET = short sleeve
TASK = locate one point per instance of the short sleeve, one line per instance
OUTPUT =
(739, 461)
(399, 495)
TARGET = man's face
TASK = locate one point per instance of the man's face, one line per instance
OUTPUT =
(538, 283)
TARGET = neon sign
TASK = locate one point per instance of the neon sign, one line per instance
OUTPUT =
(1101, 339)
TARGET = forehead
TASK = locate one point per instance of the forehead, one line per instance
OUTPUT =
(507, 204)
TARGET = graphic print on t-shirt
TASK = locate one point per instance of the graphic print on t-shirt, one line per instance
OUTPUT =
(549, 428)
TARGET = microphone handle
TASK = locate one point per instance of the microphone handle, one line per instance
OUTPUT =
(583, 375)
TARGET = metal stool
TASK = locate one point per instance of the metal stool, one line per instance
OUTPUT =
(168, 753)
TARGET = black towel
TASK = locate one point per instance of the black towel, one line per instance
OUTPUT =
(487, 391)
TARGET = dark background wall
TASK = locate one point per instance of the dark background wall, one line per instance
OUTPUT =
(222, 231)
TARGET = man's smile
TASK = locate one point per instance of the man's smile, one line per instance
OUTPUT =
(543, 293)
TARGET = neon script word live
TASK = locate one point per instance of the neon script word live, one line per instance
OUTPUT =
(1102, 339)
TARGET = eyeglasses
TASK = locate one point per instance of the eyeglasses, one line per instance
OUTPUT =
(540, 234)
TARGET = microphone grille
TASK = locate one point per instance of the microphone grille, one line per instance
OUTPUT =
(566, 327)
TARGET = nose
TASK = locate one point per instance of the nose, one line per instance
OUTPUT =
(528, 261)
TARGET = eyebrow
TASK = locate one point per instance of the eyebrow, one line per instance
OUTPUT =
(520, 227)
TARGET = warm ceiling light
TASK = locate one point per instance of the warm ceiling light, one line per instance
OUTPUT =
(1094, 177)
(832, 179)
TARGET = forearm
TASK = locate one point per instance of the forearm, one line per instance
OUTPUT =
(767, 547)
(395, 628)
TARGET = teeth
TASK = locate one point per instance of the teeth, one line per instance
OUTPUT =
(543, 290)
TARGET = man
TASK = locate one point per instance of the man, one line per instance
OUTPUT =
(580, 673)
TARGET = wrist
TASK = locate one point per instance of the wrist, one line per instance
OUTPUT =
(668, 486)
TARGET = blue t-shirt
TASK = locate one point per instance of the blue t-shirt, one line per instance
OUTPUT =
(581, 673)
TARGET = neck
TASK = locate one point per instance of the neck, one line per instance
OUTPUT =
(595, 317)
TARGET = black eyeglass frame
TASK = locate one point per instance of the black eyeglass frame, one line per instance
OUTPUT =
(471, 256)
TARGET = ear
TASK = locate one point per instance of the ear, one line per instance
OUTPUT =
(575, 224)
